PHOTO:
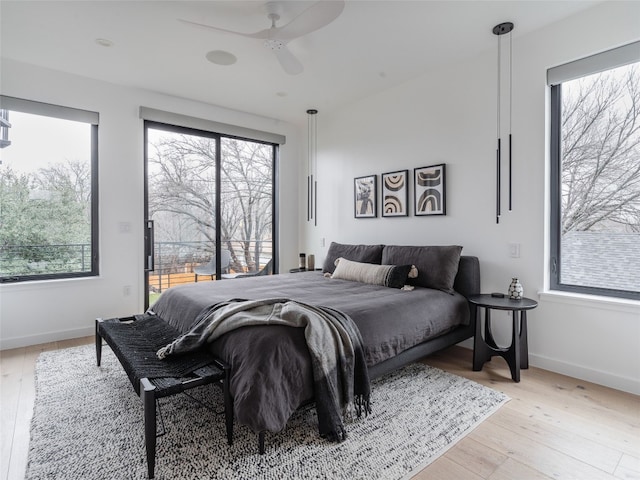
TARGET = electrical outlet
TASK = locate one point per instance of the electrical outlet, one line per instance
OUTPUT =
(126, 290)
(322, 242)
(514, 250)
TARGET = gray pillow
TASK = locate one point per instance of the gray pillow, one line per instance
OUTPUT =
(355, 253)
(437, 265)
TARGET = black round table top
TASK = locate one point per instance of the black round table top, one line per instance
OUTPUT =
(505, 303)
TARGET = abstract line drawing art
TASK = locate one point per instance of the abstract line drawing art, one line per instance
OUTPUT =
(429, 190)
(365, 195)
(395, 194)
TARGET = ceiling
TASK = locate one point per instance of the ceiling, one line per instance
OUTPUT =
(371, 46)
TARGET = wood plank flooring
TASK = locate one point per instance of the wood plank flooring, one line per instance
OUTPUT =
(554, 427)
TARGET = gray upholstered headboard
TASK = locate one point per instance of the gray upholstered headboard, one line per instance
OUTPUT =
(467, 280)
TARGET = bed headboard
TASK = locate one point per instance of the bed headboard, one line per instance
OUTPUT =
(467, 280)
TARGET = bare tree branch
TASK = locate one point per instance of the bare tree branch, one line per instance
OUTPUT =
(601, 152)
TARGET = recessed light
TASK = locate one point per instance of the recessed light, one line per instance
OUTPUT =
(104, 42)
(220, 57)
(281, 94)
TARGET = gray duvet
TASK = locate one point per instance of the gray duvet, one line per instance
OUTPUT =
(270, 366)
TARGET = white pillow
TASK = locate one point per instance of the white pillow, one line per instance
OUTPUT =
(387, 275)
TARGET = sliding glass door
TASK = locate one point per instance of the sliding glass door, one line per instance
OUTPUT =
(209, 204)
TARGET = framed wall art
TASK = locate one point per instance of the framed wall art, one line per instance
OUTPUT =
(395, 194)
(366, 196)
(429, 190)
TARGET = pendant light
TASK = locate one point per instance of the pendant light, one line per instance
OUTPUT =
(312, 182)
(500, 30)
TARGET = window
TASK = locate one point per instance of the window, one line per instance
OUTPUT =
(48, 191)
(595, 174)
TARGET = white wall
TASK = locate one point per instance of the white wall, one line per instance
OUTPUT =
(449, 116)
(37, 312)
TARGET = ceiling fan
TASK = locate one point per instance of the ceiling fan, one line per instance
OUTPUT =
(276, 38)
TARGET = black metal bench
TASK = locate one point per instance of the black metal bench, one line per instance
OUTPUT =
(135, 341)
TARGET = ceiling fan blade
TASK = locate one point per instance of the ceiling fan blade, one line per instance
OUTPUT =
(289, 62)
(316, 16)
(263, 34)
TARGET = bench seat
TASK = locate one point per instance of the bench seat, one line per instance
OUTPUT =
(135, 341)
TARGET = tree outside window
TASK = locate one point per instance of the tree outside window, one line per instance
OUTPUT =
(182, 196)
(598, 174)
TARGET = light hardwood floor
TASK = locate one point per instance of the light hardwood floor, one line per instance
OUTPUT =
(554, 427)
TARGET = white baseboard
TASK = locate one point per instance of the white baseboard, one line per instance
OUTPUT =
(27, 341)
(608, 379)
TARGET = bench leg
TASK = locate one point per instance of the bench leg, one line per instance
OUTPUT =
(98, 342)
(228, 405)
(261, 442)
(147, 394)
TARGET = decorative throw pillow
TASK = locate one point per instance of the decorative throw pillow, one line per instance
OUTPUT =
(386, 275)
(437, 265)
(356, 253)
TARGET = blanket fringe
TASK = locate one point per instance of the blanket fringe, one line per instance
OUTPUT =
(362, 404)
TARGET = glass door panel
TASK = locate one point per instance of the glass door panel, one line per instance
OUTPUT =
(181, 203)
(246, 205)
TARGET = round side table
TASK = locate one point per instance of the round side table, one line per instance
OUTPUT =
(517, 354)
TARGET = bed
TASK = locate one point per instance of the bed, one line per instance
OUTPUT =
(270, 367)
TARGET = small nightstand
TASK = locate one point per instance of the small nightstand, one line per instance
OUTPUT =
(517, 354)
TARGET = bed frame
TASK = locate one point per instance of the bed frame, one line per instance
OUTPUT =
(467, 283)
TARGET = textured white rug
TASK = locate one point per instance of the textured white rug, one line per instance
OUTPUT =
(88, 424)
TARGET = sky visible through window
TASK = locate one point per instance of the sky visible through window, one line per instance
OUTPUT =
(38, 142)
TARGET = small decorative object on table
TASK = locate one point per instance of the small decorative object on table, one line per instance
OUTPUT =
(516, 292)
(311, 262)
(302, 265)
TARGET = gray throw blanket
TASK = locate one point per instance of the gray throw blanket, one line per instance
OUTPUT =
(341, 379)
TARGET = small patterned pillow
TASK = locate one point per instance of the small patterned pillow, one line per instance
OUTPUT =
(386, 275)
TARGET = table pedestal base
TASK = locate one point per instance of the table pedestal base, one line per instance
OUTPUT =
(516, 355)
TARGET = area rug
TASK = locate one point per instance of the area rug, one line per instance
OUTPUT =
(88, 424)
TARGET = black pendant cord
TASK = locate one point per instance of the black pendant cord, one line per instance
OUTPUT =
(510, 173)
(312, 183)
(510, 116)
(499, 30)
(498, 128)
(498, 166)
(309, 174)
(309, 197)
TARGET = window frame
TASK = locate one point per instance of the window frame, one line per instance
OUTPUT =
(604, 61)
(65, 113)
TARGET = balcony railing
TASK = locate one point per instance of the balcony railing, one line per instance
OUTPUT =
(21, 260)
(174, 261)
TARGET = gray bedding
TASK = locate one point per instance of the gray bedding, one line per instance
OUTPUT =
(271, 372)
